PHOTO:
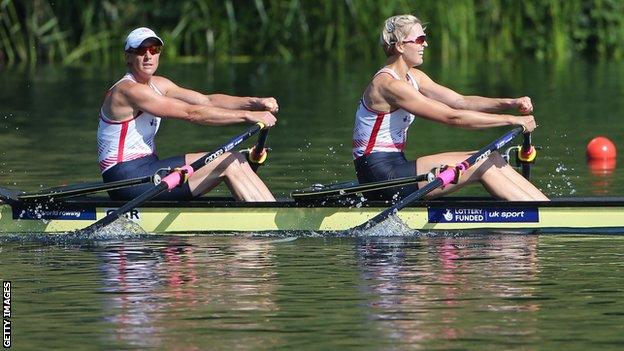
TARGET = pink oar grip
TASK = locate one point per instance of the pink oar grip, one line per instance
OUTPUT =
(175, 178)
(447, 176)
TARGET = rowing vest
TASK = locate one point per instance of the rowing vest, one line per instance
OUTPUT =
(377, 131)
(125, 141)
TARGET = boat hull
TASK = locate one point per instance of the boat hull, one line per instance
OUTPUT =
(220, 216)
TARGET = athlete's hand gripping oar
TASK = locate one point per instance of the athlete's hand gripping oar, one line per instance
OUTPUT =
(526, 152)
(175, 178)
(444, 178)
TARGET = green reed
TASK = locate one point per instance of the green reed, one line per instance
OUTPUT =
(73, 32)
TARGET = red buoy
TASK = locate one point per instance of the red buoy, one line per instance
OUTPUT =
(601, 148)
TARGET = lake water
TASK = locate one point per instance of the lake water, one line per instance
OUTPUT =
(292, 291)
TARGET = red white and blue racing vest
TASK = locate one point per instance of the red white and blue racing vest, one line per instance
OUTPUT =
(125, 141)
(376, 131)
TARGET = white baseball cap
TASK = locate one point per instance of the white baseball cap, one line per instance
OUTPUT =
(138, 36)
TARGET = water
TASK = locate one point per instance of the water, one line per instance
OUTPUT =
(488, 292)
(304, 290)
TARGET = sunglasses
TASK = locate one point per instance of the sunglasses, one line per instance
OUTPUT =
(420, 40)
(141, 50)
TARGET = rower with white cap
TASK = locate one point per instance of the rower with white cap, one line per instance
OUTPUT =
(130, 117)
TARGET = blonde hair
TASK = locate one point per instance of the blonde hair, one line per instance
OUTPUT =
(395, 30)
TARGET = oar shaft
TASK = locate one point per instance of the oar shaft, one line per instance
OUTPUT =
(176, 177)
(209, 157)
(418, 194)
(444, 178)
(146, 196)
(259, 148)
(82, 189)
(333, 191)
(493, 146)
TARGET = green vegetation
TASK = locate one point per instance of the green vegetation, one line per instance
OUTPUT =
(73, 32)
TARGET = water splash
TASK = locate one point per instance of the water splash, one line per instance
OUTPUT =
(121, 229)
(560, 182)
(393, 226)
(121, 226)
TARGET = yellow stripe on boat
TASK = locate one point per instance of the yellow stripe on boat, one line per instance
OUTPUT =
(208, 216)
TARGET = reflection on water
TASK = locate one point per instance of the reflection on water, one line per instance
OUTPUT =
(195, 293)
(603, 172)
(159, 295)
(440, 290)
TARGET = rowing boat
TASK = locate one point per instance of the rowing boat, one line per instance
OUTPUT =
(320, 208)
(219, 215)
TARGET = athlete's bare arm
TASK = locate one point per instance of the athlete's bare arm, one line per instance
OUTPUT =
(143, 98)
(402, 94)
(438, 92)
(217, 100)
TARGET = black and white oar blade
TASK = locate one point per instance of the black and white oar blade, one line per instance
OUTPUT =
(443, 178)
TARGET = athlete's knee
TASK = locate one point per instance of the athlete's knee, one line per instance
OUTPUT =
(488, 165)
(495, 155)
(236, 163)
(498, 160)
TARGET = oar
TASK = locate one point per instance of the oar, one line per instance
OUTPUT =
(257, 154)
(175, 178)
(322, 192)
(444, 178)
(526, 155)
(82, 189)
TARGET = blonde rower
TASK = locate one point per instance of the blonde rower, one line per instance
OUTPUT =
(399, 91)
